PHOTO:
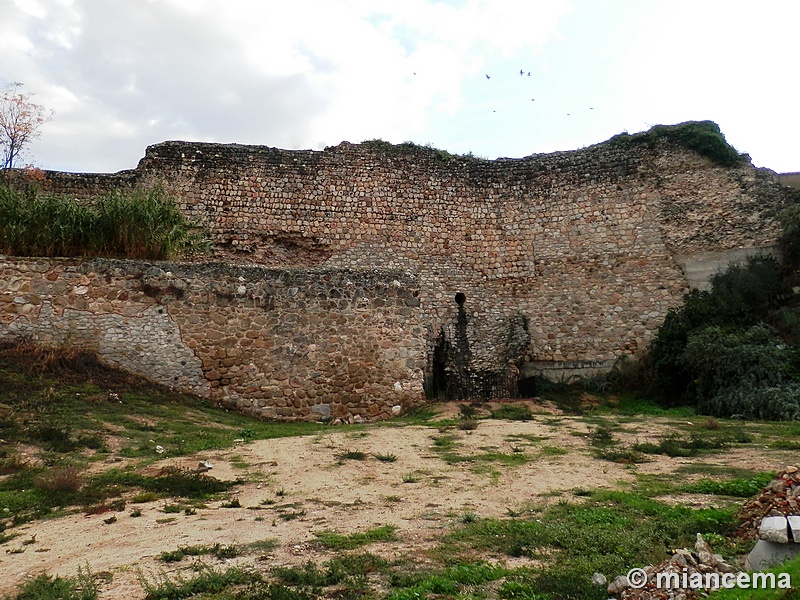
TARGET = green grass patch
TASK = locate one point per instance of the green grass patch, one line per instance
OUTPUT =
(696, 443)
(512, 412)
(163, 586)
(419, 415)
(84, 586)
(60, 402)
(548, 450)
(352, 455)
(512, 460)
(338, 541)
(347, 572)
(740, 488)
(632, 405)
(218, 550)
(459, 580)
(387, 458)
(609, 532)
(445, 442)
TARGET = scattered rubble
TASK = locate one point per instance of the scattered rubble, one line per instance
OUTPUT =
(772, 516)
(685, 567)
(780, 498)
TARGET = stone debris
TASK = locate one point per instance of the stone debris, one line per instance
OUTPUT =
(684, 564)
(780, 498)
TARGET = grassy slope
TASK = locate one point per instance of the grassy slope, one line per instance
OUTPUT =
(69, 411)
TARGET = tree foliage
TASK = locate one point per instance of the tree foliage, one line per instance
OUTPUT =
(20, 120)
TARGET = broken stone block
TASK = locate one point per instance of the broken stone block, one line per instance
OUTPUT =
(619, 584)
(774, 529)
(766, 555)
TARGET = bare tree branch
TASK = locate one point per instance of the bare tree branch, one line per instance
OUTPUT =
(20, 120)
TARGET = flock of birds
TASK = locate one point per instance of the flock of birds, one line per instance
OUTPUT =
(524, 73)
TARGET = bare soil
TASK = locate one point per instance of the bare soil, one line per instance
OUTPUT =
(309, 489)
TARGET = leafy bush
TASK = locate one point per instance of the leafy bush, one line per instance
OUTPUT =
(772, 403)
(136, 224)
(742, 358)
(718, 340)
(790, 240)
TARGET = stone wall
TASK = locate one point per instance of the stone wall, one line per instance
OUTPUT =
(561, 262)
(279, 344)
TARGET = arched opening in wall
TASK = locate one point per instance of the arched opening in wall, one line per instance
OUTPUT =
(461, 298)
(526, 388)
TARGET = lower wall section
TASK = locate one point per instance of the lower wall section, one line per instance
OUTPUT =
(299, 344)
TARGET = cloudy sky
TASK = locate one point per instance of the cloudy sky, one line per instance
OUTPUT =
(492, 77)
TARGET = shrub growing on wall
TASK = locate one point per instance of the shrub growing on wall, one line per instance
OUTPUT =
(704, 137)
(144, 224)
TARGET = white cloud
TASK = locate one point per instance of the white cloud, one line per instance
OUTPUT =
(297, 74)
(309, 73)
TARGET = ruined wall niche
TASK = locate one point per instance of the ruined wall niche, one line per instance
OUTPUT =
(587, 248)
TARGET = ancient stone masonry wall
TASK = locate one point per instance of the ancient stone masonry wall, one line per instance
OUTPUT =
(279, 344)
(562, 262)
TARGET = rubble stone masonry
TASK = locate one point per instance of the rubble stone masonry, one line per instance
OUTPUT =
(275, 343)
(471, 274)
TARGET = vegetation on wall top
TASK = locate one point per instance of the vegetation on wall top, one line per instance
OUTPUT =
(411, 148)
(704, 137)
(142, 224)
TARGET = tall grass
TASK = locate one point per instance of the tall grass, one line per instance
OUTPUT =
(144, 224)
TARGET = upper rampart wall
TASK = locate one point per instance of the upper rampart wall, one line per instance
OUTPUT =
(566, 260)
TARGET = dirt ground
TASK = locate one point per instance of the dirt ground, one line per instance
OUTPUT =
(311, 490)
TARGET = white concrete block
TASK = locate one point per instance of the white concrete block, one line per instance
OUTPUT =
(794, 525)
(774, 529)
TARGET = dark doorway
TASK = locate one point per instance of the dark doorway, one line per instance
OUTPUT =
(527, 387)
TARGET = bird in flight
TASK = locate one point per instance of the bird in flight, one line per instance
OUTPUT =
(487, 77)
(521, 72)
